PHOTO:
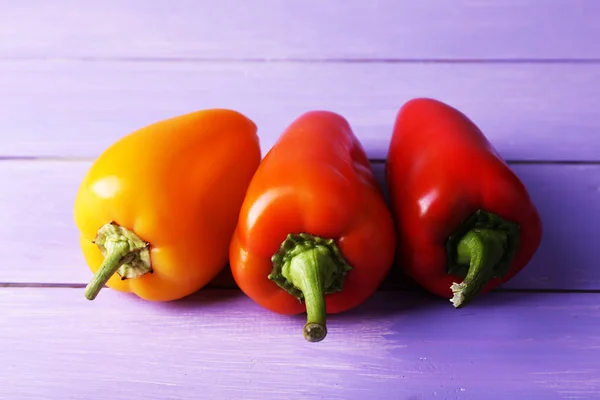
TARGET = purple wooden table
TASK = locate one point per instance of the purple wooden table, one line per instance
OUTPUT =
(75, 76)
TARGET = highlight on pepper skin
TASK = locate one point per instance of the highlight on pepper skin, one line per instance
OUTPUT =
(465, 220)
(157, 209)
(314, 234)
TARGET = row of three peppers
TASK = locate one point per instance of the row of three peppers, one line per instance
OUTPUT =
(307, 228)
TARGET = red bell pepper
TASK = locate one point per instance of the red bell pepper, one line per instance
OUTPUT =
(465, 222)
(314, 232)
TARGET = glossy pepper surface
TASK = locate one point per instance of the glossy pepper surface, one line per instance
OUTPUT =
(314, 232)
(464, 220)
(157, 209)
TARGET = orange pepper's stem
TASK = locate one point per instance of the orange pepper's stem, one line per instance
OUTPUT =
(309, 268)
(124, 253)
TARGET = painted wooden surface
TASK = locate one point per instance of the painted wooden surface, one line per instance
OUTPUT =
(75, 76)
(221, 345)
(300, 29)
(76, 108)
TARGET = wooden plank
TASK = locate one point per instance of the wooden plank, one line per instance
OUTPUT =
(566, 197)
(222, 345)
(76, 109)
(40, 241)
(313, 29)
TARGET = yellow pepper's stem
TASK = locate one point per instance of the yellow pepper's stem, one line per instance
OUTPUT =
(124, 253)
(117, 256)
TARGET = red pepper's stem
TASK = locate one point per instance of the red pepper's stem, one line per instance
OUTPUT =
(309, 268)
(482, 249)
(306, 271)
(124, 253)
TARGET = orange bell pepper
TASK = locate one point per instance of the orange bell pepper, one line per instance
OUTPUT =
(157, 209)
(314, 232)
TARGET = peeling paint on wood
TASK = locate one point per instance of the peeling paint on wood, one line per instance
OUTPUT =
(302, 29)
(222, 345)
(75, 76)
(76, 109)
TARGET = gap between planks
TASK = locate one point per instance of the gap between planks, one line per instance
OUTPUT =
(211, 287)
(373, 161)
(292, 60)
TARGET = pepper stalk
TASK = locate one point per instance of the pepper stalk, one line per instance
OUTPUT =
(310, 267)
(480, 250)
(124, 253)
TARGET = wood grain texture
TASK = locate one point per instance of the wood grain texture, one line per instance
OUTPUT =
(314, 29)
(76, 109)
(75, 76)
(39, 241)
(221, 345)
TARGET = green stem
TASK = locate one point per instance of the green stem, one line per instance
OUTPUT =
(306, 271)
(124, 253)
(482, 249)
(310, 267)
(118, 256)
